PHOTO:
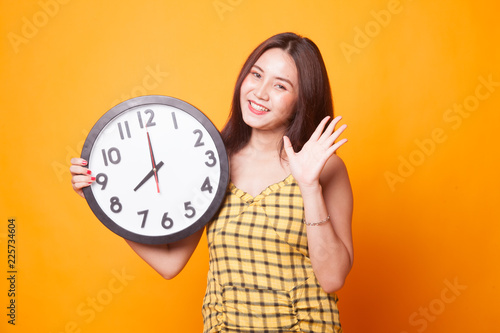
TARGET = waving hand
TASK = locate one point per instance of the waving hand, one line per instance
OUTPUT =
(306, 165)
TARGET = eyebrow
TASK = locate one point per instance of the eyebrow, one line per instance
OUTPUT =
(277, 77)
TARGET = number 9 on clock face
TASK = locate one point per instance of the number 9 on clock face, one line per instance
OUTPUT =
(161, 169)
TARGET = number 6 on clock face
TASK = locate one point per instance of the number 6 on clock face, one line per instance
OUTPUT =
(161, 169)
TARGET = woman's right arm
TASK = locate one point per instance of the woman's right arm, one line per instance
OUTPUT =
(167, 259)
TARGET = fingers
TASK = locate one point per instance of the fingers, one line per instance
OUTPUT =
(78, 188)
(335, 135)
(78, 166)
(331, 128)
(323, 137)
(319, 130)
(330, 135)
(79, 170)
(80, 175)
(78, 161)
(80, 179)
(336, 146)
(323, 134)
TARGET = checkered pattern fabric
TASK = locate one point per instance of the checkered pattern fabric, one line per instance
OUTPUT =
(260, 277)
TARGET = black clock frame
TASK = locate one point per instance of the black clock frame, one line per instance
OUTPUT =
(223, 164)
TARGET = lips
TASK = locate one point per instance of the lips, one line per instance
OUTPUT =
(257, 108)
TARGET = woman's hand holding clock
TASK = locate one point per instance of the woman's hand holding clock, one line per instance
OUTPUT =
(80, 175)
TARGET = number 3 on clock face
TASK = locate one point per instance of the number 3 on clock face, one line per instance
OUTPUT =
(161, 169)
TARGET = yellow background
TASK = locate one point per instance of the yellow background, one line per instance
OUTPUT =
(407, 76)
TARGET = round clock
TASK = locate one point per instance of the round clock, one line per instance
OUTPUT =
(161, 169)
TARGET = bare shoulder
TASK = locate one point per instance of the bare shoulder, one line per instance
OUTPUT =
(337, 192)
(334, 170)
(335, 182)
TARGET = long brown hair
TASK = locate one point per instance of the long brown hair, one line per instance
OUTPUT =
(314, 98)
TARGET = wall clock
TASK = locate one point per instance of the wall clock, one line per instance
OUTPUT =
(161, 169)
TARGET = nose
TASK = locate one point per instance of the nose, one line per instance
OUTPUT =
(261, 90)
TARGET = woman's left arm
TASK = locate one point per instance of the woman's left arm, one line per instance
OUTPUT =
(326, 191)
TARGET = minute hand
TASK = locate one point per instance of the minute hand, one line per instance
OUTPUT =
(149, 175)
(153, 163)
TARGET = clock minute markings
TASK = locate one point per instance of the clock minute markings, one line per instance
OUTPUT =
(174, 120)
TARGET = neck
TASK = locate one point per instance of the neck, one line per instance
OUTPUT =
(265, 141)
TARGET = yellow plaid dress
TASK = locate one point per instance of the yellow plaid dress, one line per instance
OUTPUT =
(260, 277)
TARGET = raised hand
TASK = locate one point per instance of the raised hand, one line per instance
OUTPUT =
(306, 165)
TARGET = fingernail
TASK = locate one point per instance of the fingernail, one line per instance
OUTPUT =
(84, 162)
(89, 172)
(92, 178)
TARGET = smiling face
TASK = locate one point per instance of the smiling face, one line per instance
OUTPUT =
(269, 92)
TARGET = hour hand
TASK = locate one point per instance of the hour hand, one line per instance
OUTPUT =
(149, 175)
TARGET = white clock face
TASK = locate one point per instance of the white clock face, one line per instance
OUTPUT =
(160, 171)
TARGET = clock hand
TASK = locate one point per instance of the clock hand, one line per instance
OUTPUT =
(149, 175)
(153, 160)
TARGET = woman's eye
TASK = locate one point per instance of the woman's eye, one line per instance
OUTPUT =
(257, 75)
(279, 86)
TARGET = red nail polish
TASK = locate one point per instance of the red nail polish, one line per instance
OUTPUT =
(89, 172)
(92, 178)
(84, 162)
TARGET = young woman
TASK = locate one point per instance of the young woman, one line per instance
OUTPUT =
(281, 244)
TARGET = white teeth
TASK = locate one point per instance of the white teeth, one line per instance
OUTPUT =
(258, 107)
